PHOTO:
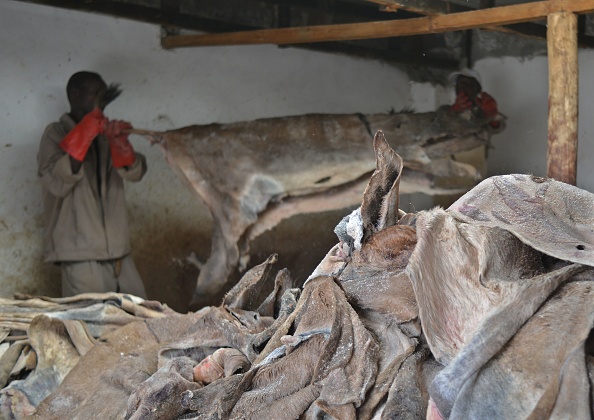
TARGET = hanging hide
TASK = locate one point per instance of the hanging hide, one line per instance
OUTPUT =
(251, 175)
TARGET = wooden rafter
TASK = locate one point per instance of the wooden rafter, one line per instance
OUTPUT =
(495, 16)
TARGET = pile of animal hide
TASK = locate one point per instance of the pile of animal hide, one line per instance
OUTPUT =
(42, 339)
(483, 310)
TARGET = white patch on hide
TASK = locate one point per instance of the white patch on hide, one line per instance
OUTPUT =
(257, 193)
(354, 227)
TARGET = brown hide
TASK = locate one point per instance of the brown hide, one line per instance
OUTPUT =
(253, 174)
(369, 264)
(150, 397)
(54, 355)
(320, 357)
(454, 293)
(113, 369)
(330, 358)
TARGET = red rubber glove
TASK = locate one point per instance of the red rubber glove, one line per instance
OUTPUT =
(122, 153)
(462, 103)
(79, 139)
(487, 105)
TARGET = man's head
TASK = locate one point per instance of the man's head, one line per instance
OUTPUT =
(468, 85)
(84, 90)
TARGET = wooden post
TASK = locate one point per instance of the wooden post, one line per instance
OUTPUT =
(563, 97)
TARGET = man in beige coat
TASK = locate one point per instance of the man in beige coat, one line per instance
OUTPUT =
(83, 161)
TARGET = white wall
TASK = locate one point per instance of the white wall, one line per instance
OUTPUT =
(521, 90)
(42, 46)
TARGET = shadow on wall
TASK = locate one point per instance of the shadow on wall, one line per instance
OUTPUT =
(170, 276)
(301, 242)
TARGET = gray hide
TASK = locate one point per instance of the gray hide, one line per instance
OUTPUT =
(143, 368)
(56, 332)
(507, 311)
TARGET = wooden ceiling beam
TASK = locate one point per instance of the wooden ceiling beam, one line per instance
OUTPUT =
(495, 16)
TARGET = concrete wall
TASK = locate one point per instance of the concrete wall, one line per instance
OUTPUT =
(42, 46)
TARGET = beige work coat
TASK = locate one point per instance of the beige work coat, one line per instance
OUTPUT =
(85, 213)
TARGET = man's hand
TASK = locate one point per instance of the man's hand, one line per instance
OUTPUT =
(122, 153)
(462, 103)
(77, 141)
(487, 105)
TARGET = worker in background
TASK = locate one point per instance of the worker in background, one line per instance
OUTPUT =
(471, 98)
(83, 161)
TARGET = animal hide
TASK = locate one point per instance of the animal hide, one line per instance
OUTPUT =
(251, 175)
(47, 337)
